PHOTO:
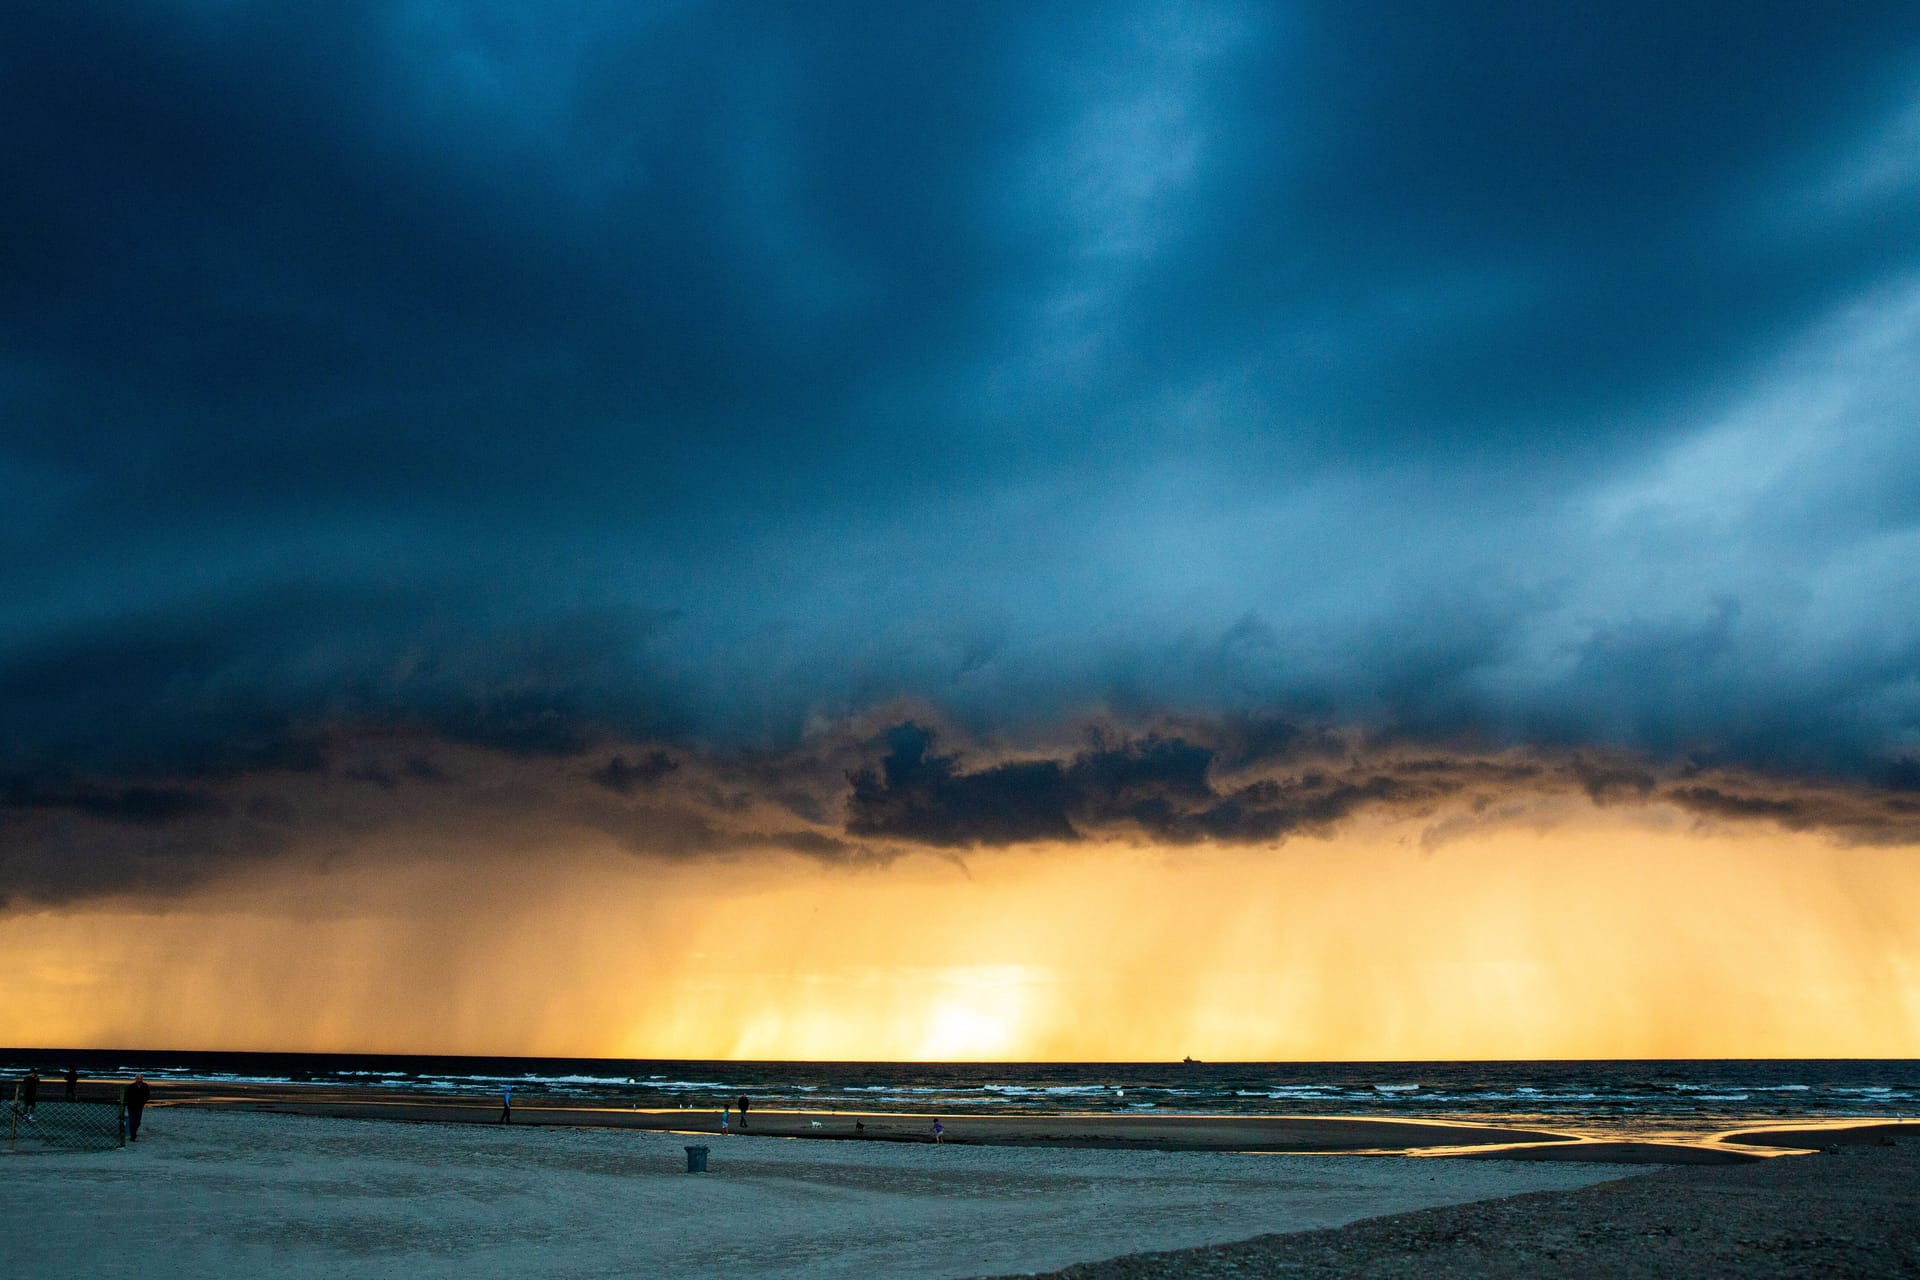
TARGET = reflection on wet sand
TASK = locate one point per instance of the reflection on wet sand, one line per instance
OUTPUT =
(1349, 1135)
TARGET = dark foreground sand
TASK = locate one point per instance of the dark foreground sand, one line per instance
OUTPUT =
(1852, 1211)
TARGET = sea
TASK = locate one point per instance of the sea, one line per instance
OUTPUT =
(1592, 1097)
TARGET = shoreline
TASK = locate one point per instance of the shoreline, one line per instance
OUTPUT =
(1264, 1134)
(1298, 1135)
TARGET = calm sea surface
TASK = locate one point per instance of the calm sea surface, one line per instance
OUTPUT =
(1587, 1095)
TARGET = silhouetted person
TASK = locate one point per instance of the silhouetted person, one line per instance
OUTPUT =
(30, 1092)
(743, 1110)
(506, 1105)
(73, 1085)
(136, 1095)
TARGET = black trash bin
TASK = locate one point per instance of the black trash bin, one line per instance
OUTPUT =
(696, 1159)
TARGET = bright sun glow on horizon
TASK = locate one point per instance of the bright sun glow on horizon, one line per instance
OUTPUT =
(978, 1027)
(1613, 936)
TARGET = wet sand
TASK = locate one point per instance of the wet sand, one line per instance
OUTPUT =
(213, 1192)
(1098, 1130)
(1149, 1133)
(1827, 1137)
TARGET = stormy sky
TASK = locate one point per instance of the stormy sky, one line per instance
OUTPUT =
(833, 426)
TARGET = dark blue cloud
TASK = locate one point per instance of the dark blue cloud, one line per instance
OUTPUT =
(550, 383)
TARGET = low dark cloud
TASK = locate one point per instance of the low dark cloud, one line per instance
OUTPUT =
(386, 775)
(926, 798)
(1609, 779)
(624, 776)
(1726, 804)
(1174, 790)
(859, 797)
(136, 805)
(1155, 787)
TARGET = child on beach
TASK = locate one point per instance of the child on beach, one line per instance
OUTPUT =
(939, 1131)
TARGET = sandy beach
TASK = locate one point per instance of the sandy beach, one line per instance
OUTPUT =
(213, 1192)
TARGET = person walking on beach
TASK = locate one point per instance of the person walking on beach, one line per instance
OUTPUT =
(30, 1092)
(743, 1110)
(506, 1105)
(135, 1096)
(939, 1131)
(73, 1085)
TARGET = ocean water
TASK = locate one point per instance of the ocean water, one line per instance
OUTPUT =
(1594, 1096)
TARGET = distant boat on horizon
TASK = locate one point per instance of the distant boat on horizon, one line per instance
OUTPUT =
(1190, 1062)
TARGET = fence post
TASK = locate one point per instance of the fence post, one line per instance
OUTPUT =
(13, 1117)
(123, 1115)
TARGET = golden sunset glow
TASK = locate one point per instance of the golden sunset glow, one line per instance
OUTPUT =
(1609, 934)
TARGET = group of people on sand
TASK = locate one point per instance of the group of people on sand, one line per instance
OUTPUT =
(134, 1095)
(743, 1103)
(30, 1090)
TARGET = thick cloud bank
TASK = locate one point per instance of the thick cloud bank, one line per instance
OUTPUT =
(650, 394)
(860, 796)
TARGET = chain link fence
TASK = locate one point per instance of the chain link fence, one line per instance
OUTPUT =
(87, 1123)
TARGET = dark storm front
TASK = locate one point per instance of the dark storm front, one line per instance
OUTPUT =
(1609, 1093)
